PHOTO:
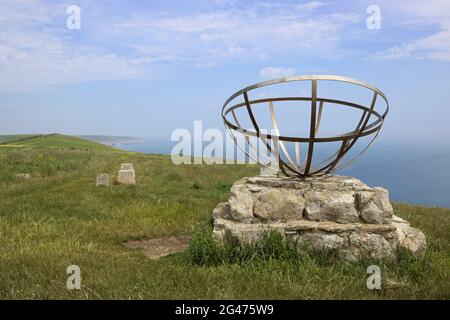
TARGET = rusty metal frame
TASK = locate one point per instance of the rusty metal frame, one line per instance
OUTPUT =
(296, 168)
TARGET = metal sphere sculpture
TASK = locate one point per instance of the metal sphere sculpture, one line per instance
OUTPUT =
(367, 123)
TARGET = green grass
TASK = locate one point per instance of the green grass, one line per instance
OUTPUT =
(205, 251)
(52, 141)
(59, 218)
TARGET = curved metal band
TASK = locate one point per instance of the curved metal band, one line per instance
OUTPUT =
(347, 135)
(348, 139)
(322, 100)
(303, 78)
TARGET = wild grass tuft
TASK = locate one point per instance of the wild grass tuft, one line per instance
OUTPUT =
(204, 250)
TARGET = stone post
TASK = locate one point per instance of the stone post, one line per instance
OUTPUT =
(102, 180)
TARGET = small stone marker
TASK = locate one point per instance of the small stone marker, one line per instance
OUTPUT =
(102, 180)
(24, 176)
(126, 174)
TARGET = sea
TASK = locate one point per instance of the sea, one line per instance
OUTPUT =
(412, 174)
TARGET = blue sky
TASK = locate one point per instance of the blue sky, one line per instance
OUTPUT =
(145, 68)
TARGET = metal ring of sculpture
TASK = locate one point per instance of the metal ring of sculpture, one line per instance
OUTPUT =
(347, 140)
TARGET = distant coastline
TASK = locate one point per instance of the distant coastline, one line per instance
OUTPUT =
(112, 140)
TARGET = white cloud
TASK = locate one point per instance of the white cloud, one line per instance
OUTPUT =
(312, 5)
(208, 36)
(37, 49)
(422, 13)
(397, 52)
(436, 46)
(274, 72)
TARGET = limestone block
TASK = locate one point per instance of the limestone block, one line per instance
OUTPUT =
(279, 205)
(241, 203)
(371, 245)
(375, 206)
(222, 211)
(321, 241)
(409, 238)
(248, 233)
(331, 205)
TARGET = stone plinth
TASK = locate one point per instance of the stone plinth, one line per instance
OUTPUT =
(336, 212)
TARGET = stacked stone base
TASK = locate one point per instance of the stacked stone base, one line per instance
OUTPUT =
(337, 213)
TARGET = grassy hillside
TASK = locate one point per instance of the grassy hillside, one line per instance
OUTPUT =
(52, 141)
(10, 138)
(59, 218)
